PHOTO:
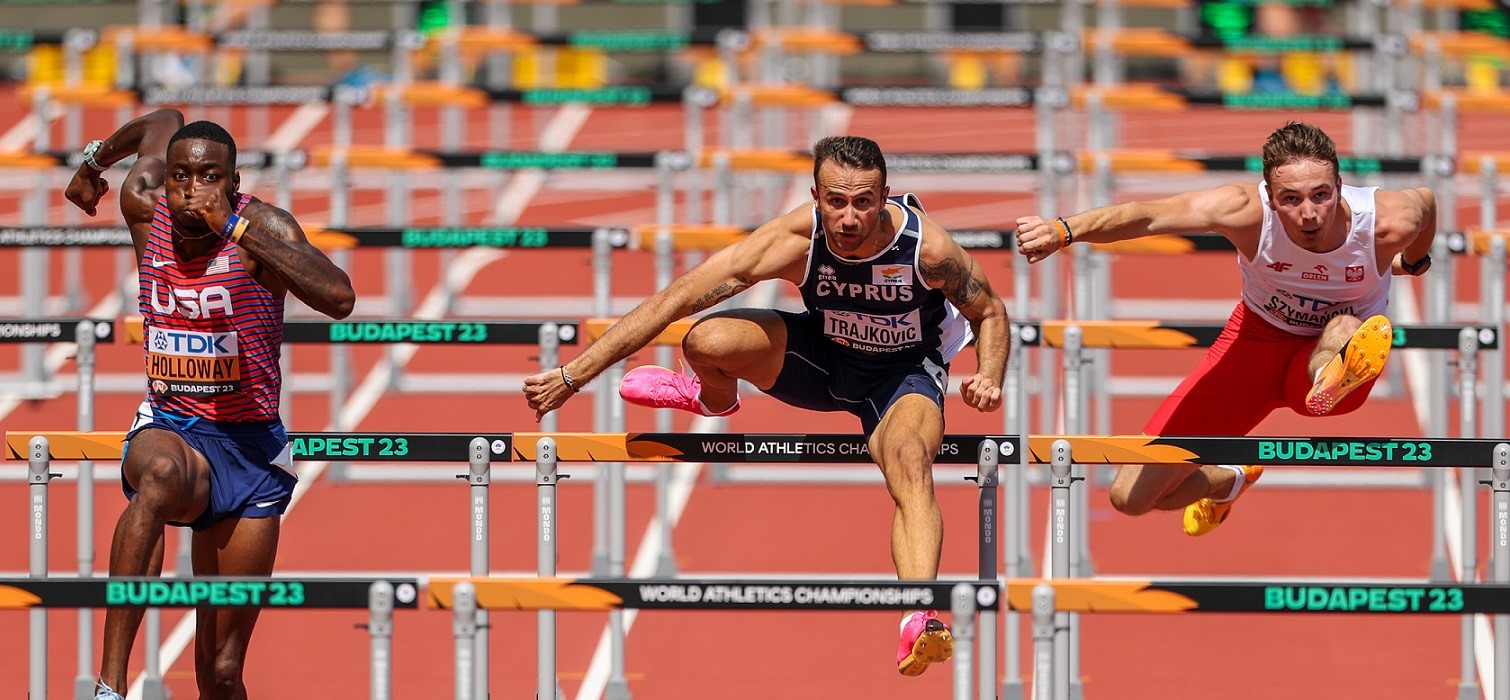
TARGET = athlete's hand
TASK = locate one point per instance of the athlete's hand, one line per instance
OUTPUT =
(1036, 238)
(209, 204)
(1400, 269)
(86, 189)
(981, 392)
(546, 392)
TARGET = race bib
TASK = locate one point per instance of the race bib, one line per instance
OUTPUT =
(191, 363)
(873, 332)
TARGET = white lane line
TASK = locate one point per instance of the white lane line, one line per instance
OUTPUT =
(290, 133)
(526, 183)
(25, 131)
(377, 381)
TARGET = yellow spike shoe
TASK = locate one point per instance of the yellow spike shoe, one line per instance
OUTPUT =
(1204, 515)
(1359, 361)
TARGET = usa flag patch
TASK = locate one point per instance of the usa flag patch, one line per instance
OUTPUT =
(218, 265)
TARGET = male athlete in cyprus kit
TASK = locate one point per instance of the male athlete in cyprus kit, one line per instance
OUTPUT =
(1316, 258)
(207, 449)
(890, 298)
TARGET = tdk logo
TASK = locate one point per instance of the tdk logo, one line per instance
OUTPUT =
(192, 343)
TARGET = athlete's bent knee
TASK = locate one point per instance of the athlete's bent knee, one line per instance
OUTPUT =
(163, 482)
(704, 343)
(908, 470)
(1123, 500)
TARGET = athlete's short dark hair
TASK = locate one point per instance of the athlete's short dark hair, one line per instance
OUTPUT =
(1298, 141)
(856, 152)
(209, 131)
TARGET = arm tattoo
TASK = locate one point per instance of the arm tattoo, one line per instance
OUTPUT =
(720, 293)
(956, 282)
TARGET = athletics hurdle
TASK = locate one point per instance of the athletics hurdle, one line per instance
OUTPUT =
(478, 449)
(963, 598)
(379, 596)
(87, 333)
(1462, 453)
(549, 449)
(1076, 336)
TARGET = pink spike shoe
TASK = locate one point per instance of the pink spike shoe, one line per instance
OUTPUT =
(925, 640)
(658, 387)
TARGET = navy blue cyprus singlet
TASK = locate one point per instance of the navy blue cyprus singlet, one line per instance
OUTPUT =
(877, 310)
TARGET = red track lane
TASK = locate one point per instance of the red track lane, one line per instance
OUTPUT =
(731, 528)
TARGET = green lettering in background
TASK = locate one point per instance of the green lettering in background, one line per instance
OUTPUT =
(629, 41)
(1345, 164)
(1285, 101)
(511, 237)
(15, 40)
(619, 95)
(578, 160)
(1315, 42)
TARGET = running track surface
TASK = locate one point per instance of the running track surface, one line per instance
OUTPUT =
(772, 528)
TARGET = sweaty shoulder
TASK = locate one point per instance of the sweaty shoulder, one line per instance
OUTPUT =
(1232, 208)
(937, 243)
(778, 249)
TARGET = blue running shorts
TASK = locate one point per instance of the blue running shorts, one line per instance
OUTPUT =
(816, 377)
(251, 470)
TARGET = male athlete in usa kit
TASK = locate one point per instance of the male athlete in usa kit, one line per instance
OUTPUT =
(207, 449)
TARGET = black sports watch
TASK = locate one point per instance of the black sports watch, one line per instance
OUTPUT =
(1417, 267)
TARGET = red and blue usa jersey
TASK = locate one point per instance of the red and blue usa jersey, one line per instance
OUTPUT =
(212, 333)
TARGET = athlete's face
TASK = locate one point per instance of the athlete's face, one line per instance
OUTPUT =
(197, 164)
(850, 204)
(1306, 194)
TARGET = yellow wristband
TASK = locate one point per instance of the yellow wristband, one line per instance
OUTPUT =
(239, 230)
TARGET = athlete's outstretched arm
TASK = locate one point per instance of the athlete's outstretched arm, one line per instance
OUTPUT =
(1226, 209)
(775, 250)
(945, 266)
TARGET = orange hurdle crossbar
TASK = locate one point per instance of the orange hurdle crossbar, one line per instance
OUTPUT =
(1150, 98)
(760, 159)
(803, 39)
(689, 236)
(375, 157)
(778, 95)
(673, 334)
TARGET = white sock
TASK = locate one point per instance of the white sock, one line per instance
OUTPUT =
(1237, 486)
(710, 412)
(905, 617)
